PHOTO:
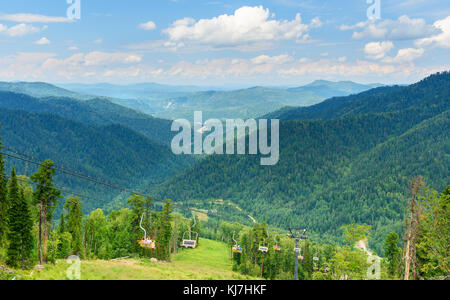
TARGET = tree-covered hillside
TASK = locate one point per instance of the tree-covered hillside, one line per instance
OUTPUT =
(40, 90)
(255, 102)
(93, 112)
(426, 94)
(338, 171)
(112, 153)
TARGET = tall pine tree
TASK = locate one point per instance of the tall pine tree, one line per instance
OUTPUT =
(164, 231)
(20, 227)
(3, 198)
(392, 253)
(46, 196)
(74, 224)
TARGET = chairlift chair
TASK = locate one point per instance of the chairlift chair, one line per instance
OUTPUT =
(146, 243)
(299, 251)
(236, 247)
(316, 263)
(190, 243)
(263, 247)
(276, 247)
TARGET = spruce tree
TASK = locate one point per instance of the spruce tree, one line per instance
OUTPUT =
(165, 231)
(3, 198)
(307, 259)
(20, 226)
(46, 196)
(392, 253)
(74, 224)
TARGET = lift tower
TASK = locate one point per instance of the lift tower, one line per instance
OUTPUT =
(297, 234)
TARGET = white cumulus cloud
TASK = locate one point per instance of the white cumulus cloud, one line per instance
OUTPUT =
(405, 55)
(378, 50)
(20, 30)
(442, 39)
(265, 59)
(404, 28)
(247, 25)
(42, 41)
(147, 26)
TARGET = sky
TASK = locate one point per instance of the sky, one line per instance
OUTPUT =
(232, 43)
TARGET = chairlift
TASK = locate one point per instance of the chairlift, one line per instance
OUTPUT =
(263, 247)
(316, 263)
(191, 242)
(146, 243)
(299, 251)
(236, 247)
(276, 247)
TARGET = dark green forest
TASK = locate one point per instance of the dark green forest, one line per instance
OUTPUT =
(96, 111)
(112, 153)
(350, 160)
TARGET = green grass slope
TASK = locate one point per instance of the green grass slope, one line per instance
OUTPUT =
(210, 261)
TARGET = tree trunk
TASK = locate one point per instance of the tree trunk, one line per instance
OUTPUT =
(40, 233)
(45, 223)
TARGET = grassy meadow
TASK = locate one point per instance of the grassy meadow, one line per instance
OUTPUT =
(210, 261)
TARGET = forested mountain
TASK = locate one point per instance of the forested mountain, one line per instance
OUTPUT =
(133, 91)
(327, 89)
(40, 90)
(173, 102)
(430, 92)
(112, 153)
(94, 112)
(351, 166)
(256, 101)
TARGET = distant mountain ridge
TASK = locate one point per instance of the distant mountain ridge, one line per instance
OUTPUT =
(256, 101)
(372, 101)
(327, 89)
(95, 111)
(173, 102)
(40, 90)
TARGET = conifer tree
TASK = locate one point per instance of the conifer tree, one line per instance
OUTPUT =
(392, 253)
(20, 226)
(46, 196)
(74, 224)
(307, 259)
(164, 231)
(3, 198)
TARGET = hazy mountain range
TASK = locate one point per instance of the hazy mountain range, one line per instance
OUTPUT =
(172, 102)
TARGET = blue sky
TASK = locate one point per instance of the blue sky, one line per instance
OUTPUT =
(232, 43)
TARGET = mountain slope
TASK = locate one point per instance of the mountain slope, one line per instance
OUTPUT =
(337, 171)
(327, 89)
(93, 112)
(173, 102)
(256, 101)
(40, 90)
(113, 153)
(430, 92)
